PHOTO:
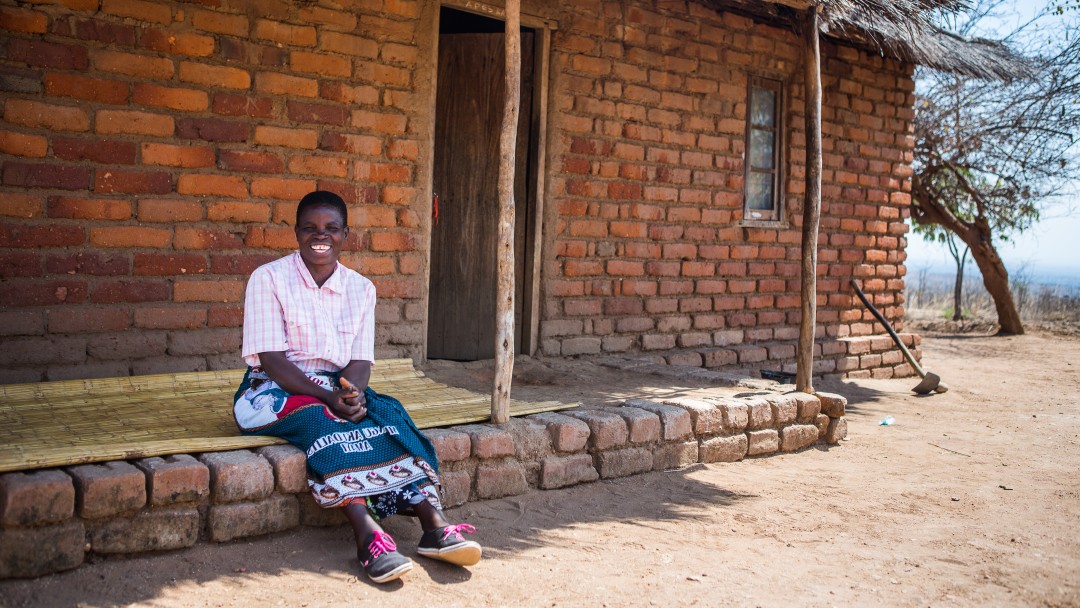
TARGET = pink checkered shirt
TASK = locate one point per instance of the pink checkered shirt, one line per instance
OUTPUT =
(317, 328)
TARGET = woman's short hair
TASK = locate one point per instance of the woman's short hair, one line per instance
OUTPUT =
(322, 198)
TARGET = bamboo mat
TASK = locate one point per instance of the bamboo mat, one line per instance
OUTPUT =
(51, 424)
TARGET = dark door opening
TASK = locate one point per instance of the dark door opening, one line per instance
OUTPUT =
(468, 117)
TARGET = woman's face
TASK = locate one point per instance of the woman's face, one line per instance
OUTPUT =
(320, 233)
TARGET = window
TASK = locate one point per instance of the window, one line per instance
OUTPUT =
(763, 145)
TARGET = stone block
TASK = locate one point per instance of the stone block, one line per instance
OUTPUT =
(784, 409)
(759, 413)
(174, 479)
(568, 434)
(809, 406)
(450, 446)
(532, 441)
(225, 522)
(627, 461)
(723, 449)
(488, 441)
(675, 455)
(498, 479)
(837, 430)
(735, 413)
(821, 421)
(151, 530)
(30, 552)
(562, 471)
(607, 430)
(705, 418)
(642, 426)
(456, 488)
(238, 475)
(290, 467)
(832, 405)
(311, 514)
(36, 498)
(797, 437)
(765, 441)
(103, 490)
(675, 422)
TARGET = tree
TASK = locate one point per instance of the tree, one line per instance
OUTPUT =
(990, 155)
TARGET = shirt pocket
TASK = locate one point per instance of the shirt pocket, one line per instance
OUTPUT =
(302, 331)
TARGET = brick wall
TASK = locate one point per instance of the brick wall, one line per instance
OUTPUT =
(152, 154)
(648, 249)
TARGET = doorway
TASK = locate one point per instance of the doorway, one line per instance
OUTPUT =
(464, 226)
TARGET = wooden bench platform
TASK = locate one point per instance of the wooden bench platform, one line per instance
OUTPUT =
(71, 422)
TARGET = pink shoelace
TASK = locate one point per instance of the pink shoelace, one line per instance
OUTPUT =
(456, 530)
(381, 544)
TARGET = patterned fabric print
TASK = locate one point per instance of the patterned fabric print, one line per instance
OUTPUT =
(346, 461)
(395, 501)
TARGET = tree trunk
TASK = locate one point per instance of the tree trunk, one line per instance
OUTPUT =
(996, 281)
(958, 293)
(504, 295)
(804, 356)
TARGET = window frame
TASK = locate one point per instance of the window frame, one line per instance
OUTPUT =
(776, 214)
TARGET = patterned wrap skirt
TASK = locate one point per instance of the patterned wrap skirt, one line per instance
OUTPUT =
(383, 462)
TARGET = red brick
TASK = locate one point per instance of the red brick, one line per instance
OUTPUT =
(83, 87)
(175, 479)
(165, 264)
(272, 83)
(348, 44)
(129, 236)
(345, 93)
(327, 166)
(133, 122)
(109, 32)
(108, 489)
(320, 64)
(284, 33)
(36, 498)
(286, 189)
(47, 54)
(88, 262)
(186, 100)
(214, 76)
(276, 513)
(209, 239)
(131, 64)
(226, 316)
(48, 116)
(290, 468)
(170, 318)
(214, 185)
(31, 552)
(208, 291)
(392, 241)
(243, 264)
(177, 156)
(228, 104)
(138, 9)
(163, 210)
(39, 293)
(23, 20)
(88, 209)
(113, 292)
(291, 138)
(220, 23)
(212, 129)
(243, 52)
(393, 124)
(132, 182)
(238, 476)
(19, 264)
(299, 111)
(88, 320)
(61, 177)
(104, 151)
(171, 42)
(242, 161)
(21, 144)
(238, 212)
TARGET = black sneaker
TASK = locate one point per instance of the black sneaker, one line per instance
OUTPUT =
(384, 563)
(449, 545)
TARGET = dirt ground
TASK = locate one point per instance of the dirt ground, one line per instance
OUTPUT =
(972, 498)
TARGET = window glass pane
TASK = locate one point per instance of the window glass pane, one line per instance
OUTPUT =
(762, 107)
(759, 194)
(761, 149)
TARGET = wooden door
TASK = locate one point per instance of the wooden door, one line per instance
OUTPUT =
(468, 115)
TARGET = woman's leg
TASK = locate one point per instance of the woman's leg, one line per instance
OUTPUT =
(375, 549)
(363, 524)
(430, 517)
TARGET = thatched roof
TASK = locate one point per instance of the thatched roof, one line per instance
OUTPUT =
(903, 29)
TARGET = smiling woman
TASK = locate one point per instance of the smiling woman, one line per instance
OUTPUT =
(309, 339)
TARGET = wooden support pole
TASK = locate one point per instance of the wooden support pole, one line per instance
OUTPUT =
(811, 206)
(504, 296)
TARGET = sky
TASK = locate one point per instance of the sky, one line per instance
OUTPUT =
(1050, 248)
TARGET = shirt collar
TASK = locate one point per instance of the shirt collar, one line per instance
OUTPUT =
(332, 284)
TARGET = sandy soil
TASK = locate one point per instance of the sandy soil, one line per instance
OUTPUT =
(971, 498)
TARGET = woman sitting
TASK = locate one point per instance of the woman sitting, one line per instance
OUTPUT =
(309, 339)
